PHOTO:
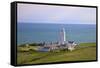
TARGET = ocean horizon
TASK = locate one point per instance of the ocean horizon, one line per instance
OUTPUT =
(43, 32)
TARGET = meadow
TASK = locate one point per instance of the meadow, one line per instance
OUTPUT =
(29, 55)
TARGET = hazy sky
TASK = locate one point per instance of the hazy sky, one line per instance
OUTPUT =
(32, 13)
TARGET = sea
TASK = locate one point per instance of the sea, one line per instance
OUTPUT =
(45, 32)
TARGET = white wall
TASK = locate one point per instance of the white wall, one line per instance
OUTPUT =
(5, 34)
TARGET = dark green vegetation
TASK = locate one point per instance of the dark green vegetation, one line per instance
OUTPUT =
(29, 55)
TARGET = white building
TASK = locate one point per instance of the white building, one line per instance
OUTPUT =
(63, 44)
(62, 36)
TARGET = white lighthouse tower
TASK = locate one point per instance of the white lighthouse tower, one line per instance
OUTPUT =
(62, 36)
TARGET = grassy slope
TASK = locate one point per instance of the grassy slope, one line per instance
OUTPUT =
(85, 51)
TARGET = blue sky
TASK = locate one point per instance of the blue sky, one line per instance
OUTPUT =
(32, 13)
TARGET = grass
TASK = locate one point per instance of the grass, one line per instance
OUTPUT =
(83, 52)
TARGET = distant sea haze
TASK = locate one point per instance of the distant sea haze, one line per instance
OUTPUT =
(42, 32)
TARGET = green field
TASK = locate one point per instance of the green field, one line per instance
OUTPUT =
(83, 52)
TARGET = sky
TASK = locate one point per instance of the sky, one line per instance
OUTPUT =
(33, 13)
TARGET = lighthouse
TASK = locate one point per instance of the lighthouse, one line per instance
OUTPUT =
(62, 36)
